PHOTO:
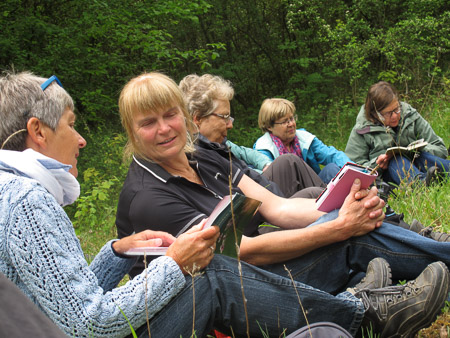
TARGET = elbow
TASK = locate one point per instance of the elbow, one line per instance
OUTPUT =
(248, 256)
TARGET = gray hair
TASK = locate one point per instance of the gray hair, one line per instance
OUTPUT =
(200, 93)
(21, 98)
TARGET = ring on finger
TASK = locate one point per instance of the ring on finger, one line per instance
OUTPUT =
(212, 249)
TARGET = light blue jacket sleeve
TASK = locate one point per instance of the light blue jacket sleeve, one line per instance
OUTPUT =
(266, 153)
(324, 154)
(252, 157)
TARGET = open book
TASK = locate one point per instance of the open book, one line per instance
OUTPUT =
(339, 187)
(244, 208)
(415, 146)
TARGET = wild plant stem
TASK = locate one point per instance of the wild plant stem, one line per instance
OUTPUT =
(299, 300)
(238, 255)
(145, 296)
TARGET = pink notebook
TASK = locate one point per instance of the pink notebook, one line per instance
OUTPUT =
(339, 187)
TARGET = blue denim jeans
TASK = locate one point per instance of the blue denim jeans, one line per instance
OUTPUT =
(401, 167)
(333, 267)
(328, 172)
(272, 304)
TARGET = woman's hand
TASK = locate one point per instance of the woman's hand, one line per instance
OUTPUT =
(362, 211)
(383, 161)
(193, 250)
(146, 238)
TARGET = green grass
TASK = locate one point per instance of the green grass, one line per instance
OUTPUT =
(429, 205)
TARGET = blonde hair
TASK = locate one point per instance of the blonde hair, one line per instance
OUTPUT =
(272, 110)
(151, 92)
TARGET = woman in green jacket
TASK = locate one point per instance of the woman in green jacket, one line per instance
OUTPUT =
(385, 122)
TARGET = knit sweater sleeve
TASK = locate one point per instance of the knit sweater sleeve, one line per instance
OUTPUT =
(50, 268)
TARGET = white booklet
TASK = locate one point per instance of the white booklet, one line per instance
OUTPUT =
(415, 146)
(147, 250)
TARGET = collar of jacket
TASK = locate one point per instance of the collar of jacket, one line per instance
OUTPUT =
(205, 143)
(159, 172)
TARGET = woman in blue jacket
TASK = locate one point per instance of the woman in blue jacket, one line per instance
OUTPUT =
(277, 120)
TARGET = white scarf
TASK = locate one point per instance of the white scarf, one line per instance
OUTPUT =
(51, 174)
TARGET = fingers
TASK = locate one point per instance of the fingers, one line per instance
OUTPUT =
(149, 234)
(383, 161)
(351, 197)
(356, 186)
(145, 238)
(193, 251)
(197, 227)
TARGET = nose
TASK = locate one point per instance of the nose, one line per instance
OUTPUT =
(81, 141)
(230, 124)
(163, 126)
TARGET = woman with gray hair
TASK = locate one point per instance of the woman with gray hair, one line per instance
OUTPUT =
(208, 100)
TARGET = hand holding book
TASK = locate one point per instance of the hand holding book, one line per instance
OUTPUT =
(410, 150)
(413, 147)
(243, 208)
(339, 187)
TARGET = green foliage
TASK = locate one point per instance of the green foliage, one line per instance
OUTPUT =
(95, 46)
(103, 173)
(95, 202)
(307, 51)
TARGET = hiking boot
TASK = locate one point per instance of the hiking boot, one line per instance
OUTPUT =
(428, 232)
(385, 190)
(435, 175)
(378, 275)
(400, 311)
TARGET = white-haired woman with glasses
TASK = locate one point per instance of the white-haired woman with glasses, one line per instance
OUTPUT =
(208, 100)
(384, 122)
(277, 119)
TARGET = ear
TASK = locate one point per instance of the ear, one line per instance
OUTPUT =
(37, 138)
(196, 120)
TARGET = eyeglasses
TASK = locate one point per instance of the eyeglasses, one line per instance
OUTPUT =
(287, 121)
(49, 81)
(226, 117)
(397, 110)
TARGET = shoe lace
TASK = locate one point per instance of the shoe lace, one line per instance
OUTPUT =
(426, 232)
(392, 293)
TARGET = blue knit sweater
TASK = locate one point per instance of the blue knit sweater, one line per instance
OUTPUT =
(41, 254)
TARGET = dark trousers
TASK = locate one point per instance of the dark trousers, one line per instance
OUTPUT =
(294, 177)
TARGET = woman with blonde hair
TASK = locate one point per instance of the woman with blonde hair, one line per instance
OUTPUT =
(278, 121)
